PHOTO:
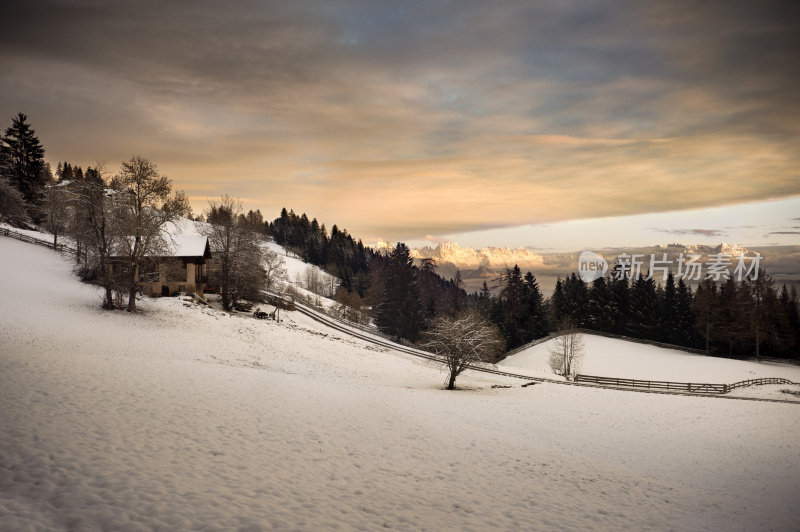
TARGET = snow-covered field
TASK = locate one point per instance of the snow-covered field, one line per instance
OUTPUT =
(182, 417)
(608, 357)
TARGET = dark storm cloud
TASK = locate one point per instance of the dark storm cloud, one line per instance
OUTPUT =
(583, 108)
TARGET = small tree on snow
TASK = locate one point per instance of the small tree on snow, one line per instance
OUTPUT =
(462, 342)
(566, 353)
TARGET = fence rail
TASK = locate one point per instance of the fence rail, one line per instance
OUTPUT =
(760, 382)
(691, 387)
(38, 241)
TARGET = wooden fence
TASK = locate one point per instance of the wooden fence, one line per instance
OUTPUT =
(759, 382)
(38, 241)
(690, 387)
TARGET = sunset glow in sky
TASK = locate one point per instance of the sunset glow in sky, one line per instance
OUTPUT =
(477, 121)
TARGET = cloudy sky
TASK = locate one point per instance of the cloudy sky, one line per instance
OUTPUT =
(486, 122)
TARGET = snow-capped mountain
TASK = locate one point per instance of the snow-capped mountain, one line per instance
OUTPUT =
(733, 250)
(489, 257)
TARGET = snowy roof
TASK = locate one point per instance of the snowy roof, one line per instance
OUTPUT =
(175, 246)
(189, 246)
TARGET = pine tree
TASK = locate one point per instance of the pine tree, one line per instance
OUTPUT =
(400, 311)
(536, 325)
(620, 293)
(577, 300)
(558, 303)
(644, 318)
(704, 309)
(670, 317)
(24, 161)
(729, 311)
(685, 326)
(763, 312)
(511, 309)
(602, 310)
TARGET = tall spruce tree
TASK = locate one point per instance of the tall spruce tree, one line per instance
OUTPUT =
(685, 326)
(536, 325)
(511, 308)
(620, 293)
(400, 311)
(670, 315)
(23, 157)
(644, 317)
(704, 309)
(790, 324)
(602, 310)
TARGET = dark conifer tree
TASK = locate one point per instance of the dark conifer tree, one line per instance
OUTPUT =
(790, 323)
(535, 325)
(644, 315)
(577, 300)
(602, 309)
(730, 330)
(670, 312)
(705, 312)
(558, 303)
(620, 293)
(400, 312)
(685, 335)
(511, 308)
(24, 161)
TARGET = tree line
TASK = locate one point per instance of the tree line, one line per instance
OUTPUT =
(736, 319)
(405, 297)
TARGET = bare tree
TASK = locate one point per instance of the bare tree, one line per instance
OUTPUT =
(96, 225)
(313, 280)
(274, 269)
(566, 352)
(149, 205)
(462, 342)
(57, 211)
(238, 248)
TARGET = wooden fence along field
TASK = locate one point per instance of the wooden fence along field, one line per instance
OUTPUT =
(690, 387)
(39, 242)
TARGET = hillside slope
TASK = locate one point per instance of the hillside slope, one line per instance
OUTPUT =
(181, 417)
(609, 357)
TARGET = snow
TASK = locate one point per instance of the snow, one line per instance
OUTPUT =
(610, 357)
(184, 245)
(183, 417)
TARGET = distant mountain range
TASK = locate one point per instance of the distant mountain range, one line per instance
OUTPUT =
(489, 257)
(487, 264)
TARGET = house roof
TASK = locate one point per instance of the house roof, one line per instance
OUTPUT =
(189, 246)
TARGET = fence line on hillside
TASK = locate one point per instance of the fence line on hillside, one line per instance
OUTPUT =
(760, 382)
(38, 241)
(691, 387)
